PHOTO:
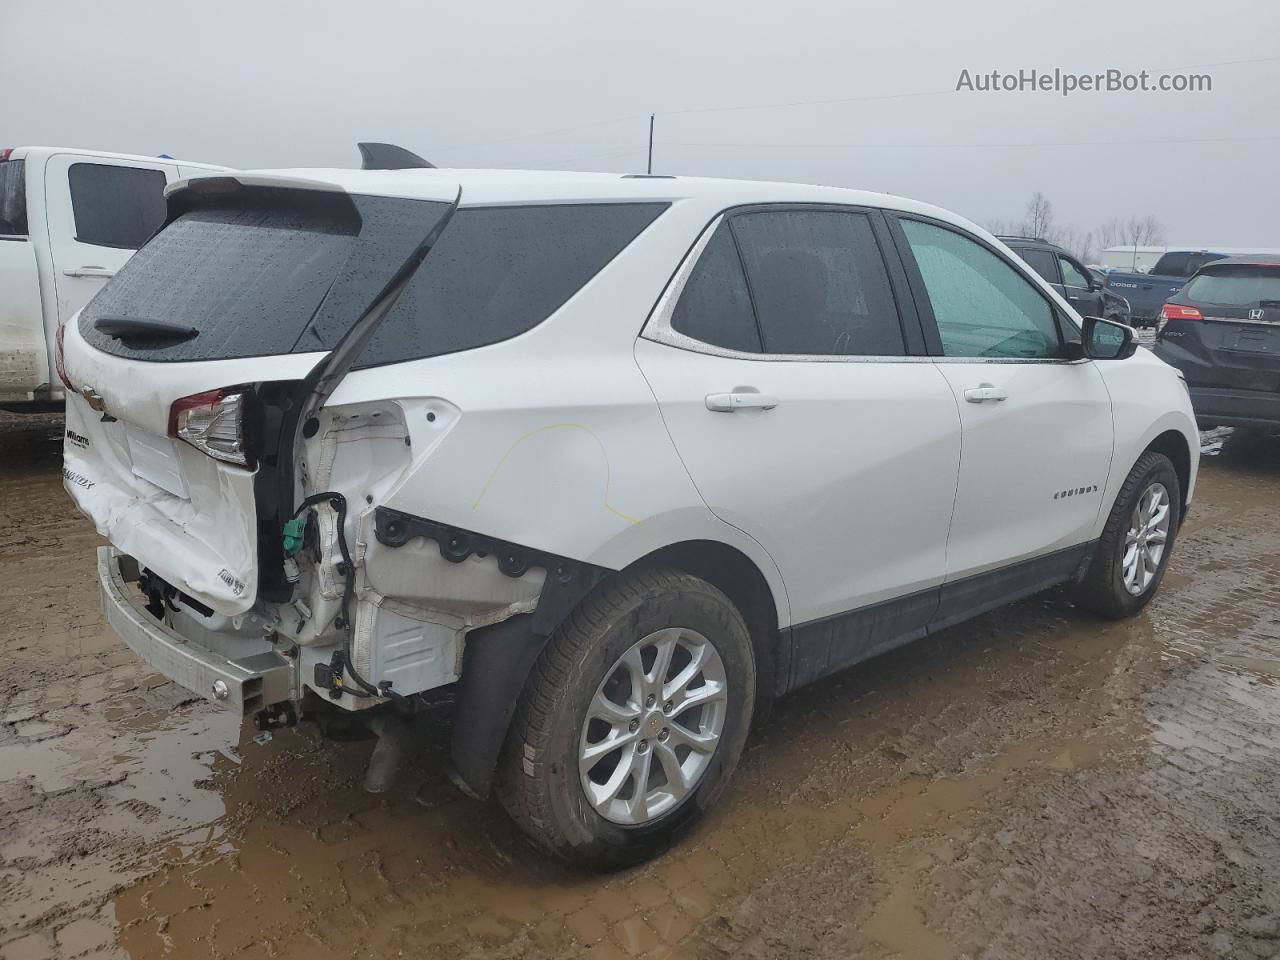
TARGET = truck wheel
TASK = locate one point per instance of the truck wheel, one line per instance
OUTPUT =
(632, 720)
(1130, 558)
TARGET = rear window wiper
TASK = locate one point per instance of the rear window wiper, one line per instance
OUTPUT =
(141, 328)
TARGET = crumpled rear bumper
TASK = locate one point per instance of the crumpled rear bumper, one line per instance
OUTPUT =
(248, 683)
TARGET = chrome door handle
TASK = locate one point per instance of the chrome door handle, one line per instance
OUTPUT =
(984, 392)
(729, 402)
(100, 272)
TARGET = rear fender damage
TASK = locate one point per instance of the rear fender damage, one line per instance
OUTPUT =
(497, 658)
(437, 603)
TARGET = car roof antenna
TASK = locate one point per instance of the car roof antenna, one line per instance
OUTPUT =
(387, 156)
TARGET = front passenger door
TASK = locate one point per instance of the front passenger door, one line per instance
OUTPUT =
(1036, 423)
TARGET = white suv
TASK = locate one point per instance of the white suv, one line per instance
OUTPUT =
(614, 460)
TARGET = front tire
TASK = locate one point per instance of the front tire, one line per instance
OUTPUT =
(1131, 557)
(632, 721)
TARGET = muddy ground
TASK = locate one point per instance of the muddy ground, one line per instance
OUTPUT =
(1036, 784)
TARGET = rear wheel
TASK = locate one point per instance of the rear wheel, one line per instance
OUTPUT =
(632, 721)
(1133, 553)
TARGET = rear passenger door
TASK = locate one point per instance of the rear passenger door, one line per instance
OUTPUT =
(786, 358)
(100, 210)
(1036, 419)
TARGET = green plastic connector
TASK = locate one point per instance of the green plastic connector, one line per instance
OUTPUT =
(293, 532)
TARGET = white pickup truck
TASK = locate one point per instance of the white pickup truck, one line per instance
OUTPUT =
(68, 220)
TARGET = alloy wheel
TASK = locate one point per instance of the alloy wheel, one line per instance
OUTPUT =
(1146, 540)
(653, 726)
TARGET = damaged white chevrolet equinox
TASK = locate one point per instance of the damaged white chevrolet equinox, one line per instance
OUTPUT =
(606, 462)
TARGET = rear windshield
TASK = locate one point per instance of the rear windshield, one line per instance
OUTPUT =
(1236, 286)
(292, 275)
(13, 199)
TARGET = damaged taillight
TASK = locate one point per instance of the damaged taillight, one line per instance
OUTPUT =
(214, 422)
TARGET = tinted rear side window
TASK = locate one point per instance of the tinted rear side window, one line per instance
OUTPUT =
(1042, 262)
(116, 206)
(819, 283)
(714, 306)
(13, 198)
(500, 271)
(1235, 286)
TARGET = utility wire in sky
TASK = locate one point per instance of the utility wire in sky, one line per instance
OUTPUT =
(862, 98)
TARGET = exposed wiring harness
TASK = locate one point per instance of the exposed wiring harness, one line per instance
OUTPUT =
(343, 660)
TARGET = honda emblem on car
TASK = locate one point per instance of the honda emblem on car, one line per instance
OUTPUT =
(1255, 313)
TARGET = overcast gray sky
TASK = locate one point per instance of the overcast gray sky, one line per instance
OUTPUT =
(570, 84)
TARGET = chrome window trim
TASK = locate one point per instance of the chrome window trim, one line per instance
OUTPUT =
(658, 329)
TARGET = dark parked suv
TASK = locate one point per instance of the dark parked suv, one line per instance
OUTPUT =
(1222, 330)
(1082, 288)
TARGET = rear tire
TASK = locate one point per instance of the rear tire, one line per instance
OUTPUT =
(560, 745)
(1131, 557)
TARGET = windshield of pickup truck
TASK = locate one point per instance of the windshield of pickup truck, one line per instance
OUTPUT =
(13, 199)
(1240, 285)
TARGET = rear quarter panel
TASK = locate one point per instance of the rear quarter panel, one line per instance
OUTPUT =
(553, 439)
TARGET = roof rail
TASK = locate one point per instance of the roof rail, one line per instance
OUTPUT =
(1014, 236)
(387, 156)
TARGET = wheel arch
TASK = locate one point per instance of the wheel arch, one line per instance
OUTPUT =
(737, 576)
(498, 659)
(1173, 444)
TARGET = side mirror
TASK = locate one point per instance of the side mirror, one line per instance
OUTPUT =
(1094, 284)
(1108, 340)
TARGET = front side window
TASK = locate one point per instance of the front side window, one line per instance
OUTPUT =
(714, 306)
(116, 206)
(983, 306)
(818, 283)
(1072, 275)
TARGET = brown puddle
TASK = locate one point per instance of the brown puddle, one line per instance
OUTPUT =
(310, 860)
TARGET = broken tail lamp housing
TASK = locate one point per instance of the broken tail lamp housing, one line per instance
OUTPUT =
(215, 423)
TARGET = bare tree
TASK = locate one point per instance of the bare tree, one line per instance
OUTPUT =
(1037, 221)
(1144, 231)
(1111, 233)
(1001, 228)
(1081, 244)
